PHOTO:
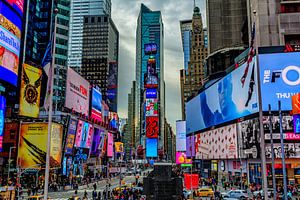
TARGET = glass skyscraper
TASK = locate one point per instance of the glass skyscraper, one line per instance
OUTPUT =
(80, 9)
(149, 30)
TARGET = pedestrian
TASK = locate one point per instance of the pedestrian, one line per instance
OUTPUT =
(99, 195)
(95, 186)
(85, 194)
(94, 194)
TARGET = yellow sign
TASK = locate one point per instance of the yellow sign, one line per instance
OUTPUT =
(119, 147)
(33, 145)
(30, 91)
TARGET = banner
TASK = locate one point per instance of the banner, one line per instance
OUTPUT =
(70, 137)
(84, 135)
(33, 145)
(30, 92)
(119, 146)
(110, 145)
(2, 119)
(152, 127)
(180, 136)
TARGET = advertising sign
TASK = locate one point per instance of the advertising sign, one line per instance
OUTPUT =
(10, 136)
(151, 148)
(182, 159)
(151, 77)
(17, 5)
(2, 119)
(296, 119)
(110, 145)
(77, 92)
(33, 145)
(112, 88)
(180, 136)
(296, 103)
(151, 93)
(152, 127)
(280, 79)
(84, 135)
(119, 146)
(96, 100)
(30, 91)
(220, 143)
(70, 137)
(151, 107)
(191, 181)
(232, 97)
(190, 146)
(291, 150)
(98, 140)
(10, 31)
(150, 48)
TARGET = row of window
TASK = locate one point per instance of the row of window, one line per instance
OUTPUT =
(95, 19)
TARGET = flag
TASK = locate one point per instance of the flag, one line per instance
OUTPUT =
(47, 67)
(250, 55)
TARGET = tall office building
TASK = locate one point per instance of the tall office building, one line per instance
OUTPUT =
(149, 65)
(79, 9)
(100, 50)
(194, 44)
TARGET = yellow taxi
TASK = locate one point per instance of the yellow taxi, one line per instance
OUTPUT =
(37, 197)
(205, 192)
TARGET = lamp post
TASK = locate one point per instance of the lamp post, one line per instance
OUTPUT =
(9, 160)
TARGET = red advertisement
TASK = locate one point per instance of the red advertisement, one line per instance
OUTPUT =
(96, 115)
(191, 179)
(152, 127)
(10, 136)
(296, 104)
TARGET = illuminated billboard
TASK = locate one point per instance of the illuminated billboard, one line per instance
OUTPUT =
(84, 135)
(151, 77)
(70, 137)
(296, 103)
(10, 31)
(77, 92)
(152, 127)
(296, 119)
(110, 145)
(10, 136)
(112, 87)
(190, 146)
(119, 146)
(182, 159)
(30, 92)
(17, 5)
(151, 93)
(96, 100)
(180, 136)
(232, 97)
(98, 140)
(151, 107)
(150, 48)
(151, 147)
(2, 119)
(279, 79)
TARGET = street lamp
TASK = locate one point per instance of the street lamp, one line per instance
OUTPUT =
(9, 160)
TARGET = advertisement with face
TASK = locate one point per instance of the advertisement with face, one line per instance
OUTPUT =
(232, 97)
(110, 145)
(151, 77)
(2, 119)
(280, 79)
(182, 159)
(30, 91)
(180, 136)
(10, 31)
(291, 150)
(151, 148)
(77, 92)
(70, 137)
(152, 127)
(84, 135)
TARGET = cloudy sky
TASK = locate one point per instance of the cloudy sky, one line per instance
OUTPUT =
(124, 14)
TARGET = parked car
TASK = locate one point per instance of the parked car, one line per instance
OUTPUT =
(261, 192)
(237, 194)
(205, 192)
(186, 193)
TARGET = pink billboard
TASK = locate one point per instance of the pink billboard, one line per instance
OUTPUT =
(84, 135)
(110, 145)
(182, 159)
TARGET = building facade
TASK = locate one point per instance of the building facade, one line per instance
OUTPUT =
(79, 9)
(149, 31)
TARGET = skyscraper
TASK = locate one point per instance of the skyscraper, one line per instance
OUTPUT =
(149, 65)
(79, 9)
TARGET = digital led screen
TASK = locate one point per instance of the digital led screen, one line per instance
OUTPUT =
(152, 127)
(296, 119)
(182, 159)
(110, 145)
(232, 97)
(84, 135)
(190, 146)
(70, 137)
(151, 148)
(96, 142)
(296, 103)
(17, 5)
(151, 93)
(119, 146)
(150, 48)
(279, 79)
(96, 100)
(2, 119)
(151, 107)
(112, 87)
(151, 77)
(10, 35)
(180, 136)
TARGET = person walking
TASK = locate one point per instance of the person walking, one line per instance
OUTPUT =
(94, 195)
(85, 194)
(99, 195)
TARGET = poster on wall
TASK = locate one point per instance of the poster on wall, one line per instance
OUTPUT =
(70, 137)
(2, 119)
(110, 145)
(180, 136)
(279, 79)
(151, 148)
(30, 92)
(232, 97)
(152, 127)
(77, 92)
(84, 135)
(10, 29)
(287, 124)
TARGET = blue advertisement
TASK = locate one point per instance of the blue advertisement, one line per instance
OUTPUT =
(70, 137)
(2, 118)
(151, 147)
(232, 97)
(97, 100)
(17, 5)
(10, 35)
(151, 93)
(279, 78)
(296, 119)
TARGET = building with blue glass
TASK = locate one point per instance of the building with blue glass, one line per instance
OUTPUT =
(149, 31)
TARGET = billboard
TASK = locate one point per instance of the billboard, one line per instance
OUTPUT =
(191, 181)
(180, 136)
(151, 77)
(291, 150)
(70, 137)
(119, 147)
(77, 92)
(151, 107)
(110, 145)
(17, 5)
(2, 119)
(219, 143)
(10, 136)
(279, 79)
(84, 135)
(97, 145)
(10, 31)
(150, 48)
(151, 93)
(296, 103)
(190, 146)
(33, 145)
(96, 100)
(296, 119)
(232, 97)
(112, 87)
(152, 127)
(30, 91)
(182, 159)
(151, 147)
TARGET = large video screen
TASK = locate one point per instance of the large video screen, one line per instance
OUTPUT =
(10, 35)
(151, 147)
(180, 136)
(279, 78)
(84, 135)
(112, 88)
(70, 137)
(150, 48)
(17, 5)
(232, 97)
(152, 127)
(2, 119)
